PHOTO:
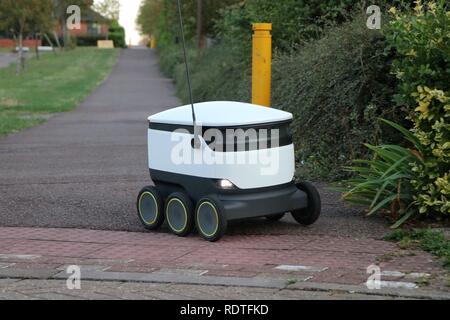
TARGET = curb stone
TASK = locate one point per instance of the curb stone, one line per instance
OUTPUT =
(96, 273)
(166, 277)
(404, 293)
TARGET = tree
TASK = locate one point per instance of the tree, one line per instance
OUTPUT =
(160, 18)
(42, 22)
(200, 34)
(108, 8)
(22, 17)
(149, 16)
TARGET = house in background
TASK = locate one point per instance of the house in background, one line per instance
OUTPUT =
(93, 25)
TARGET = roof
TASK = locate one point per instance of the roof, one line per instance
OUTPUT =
(221, 114)
(90, 15)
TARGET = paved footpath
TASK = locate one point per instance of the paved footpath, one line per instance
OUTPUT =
(82, 170)
(109, 290)
(12, 289)
(289, 262)
(6, 59)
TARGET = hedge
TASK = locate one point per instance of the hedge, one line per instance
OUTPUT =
(337, 88)
(117, 35)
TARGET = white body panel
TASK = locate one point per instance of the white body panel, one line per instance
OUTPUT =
(172, 152)
(221, 114)
(247, 170)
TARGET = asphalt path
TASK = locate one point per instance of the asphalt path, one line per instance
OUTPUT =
(83, 169)
(6, 59)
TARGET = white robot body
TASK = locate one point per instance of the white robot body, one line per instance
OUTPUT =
(170, 150)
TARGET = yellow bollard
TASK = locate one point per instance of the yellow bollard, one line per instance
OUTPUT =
(153, 42)
(262, 64)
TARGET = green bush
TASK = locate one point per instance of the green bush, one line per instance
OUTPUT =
(118, 38)
(422, 41)
(172, 56)
(293, 21)
(384, 182)
(336, 87)
(216, 75)
(117, 35)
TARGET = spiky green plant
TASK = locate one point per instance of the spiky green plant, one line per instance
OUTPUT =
(384, 183)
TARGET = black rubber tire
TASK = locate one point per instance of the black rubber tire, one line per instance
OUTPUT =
(221, 222)
(153, 201)
(276, 217)
(310, 214)
(184, 226)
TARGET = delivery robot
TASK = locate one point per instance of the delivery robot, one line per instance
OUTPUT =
(235, 161)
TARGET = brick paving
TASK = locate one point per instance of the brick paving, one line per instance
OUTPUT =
(337, 260)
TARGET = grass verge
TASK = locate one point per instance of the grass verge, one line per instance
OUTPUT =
(54, 83)
(428, 240)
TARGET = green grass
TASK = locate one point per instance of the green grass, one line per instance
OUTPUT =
(431, 241)
(54, 83)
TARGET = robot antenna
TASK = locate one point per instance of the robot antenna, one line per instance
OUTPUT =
(197, 143)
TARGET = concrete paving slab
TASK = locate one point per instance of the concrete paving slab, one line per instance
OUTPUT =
(362, 289)
(180, 278)
(301, 268)
(91, 290)
(27, 273)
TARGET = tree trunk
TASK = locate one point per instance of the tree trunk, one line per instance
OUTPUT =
(19, 54)
(36, 48)
(22, 56)
(200, 35)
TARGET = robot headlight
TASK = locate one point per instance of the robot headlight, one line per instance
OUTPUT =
(225, 184)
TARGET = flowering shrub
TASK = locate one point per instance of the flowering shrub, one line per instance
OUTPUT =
(413, 182)
(422, 42)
